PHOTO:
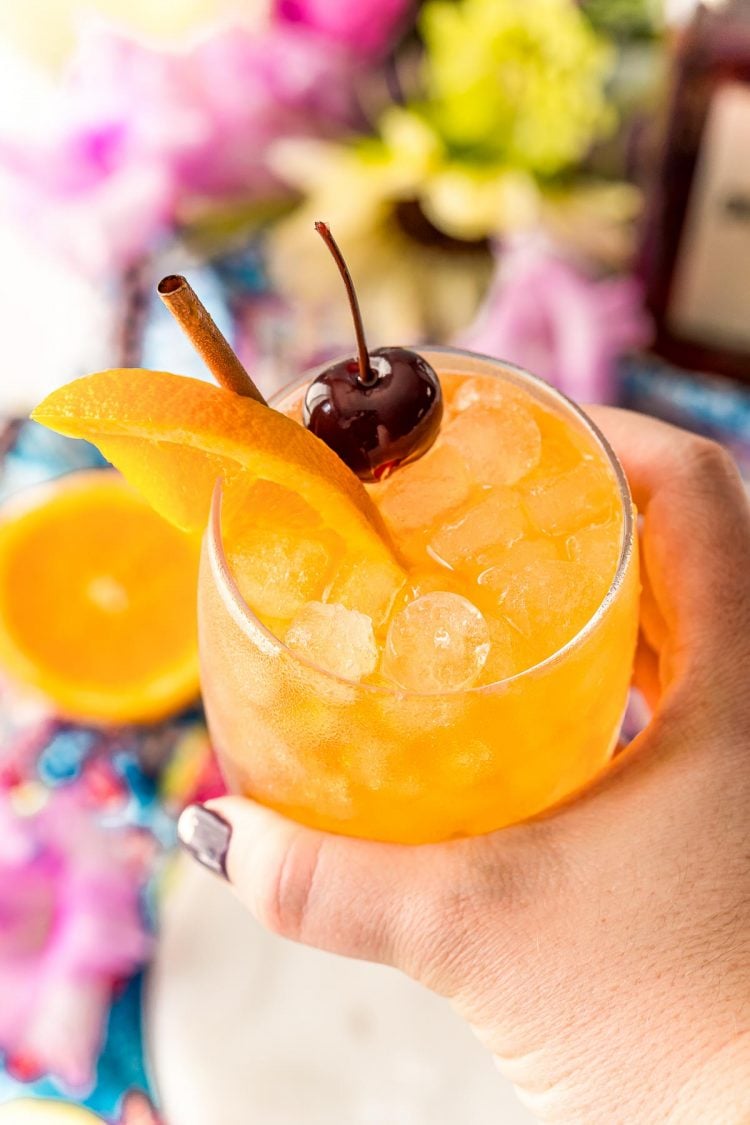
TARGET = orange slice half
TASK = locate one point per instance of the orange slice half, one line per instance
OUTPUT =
(32, 1111)
(97, 601)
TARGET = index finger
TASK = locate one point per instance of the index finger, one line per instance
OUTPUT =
(696, 524)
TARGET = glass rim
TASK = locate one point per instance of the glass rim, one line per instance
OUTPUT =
(244, 615)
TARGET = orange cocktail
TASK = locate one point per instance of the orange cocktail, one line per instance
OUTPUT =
(478, 676)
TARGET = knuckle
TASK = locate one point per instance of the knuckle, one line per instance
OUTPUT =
(431, 948)
(706, 459)
(285, 888)
(488, 897)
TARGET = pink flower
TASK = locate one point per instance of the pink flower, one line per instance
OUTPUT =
(365, 26)
(545, 314)
(140, 137)
(208, 114)
(89, 195)
(253, 89)
(70, 929)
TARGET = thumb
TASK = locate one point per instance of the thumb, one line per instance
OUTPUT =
(379, 902)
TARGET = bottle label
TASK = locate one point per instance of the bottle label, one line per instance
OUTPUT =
(710, 301)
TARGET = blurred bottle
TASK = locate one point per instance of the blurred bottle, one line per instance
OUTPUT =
(696, 250)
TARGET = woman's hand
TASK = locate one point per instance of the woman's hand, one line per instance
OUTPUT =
(602, 951)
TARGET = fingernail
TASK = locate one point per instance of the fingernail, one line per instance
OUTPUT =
(206, 836)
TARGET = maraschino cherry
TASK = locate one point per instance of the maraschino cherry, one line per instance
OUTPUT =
(378, 410)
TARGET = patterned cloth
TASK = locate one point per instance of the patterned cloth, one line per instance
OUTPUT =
(711, 405)
(127, 785)
(129, 782)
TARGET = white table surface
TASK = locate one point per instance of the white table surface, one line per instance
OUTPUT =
(245, 1028)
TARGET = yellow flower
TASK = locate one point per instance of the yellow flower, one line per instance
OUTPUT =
(471, 203)
(515, 82)
(463, 200)
(594, 220)
(514, 98)
(414, 282)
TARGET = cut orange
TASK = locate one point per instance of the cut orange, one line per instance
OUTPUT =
(173, 437)
(32, 1111)
(97, 601)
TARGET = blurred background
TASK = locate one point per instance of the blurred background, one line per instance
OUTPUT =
(560, 183)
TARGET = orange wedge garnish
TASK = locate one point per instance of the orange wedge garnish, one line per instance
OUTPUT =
(173, 437)
(97, 601)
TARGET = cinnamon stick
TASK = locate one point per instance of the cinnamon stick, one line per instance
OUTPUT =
(199, 327)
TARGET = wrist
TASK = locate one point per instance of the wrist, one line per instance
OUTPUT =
(663, 1055)
(720, 1089)
(716, 1093)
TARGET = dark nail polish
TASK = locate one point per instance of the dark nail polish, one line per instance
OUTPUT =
(206, 836)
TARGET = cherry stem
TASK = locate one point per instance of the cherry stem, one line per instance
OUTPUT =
(367, 377)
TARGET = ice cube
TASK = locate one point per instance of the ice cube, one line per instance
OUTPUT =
(333, 796)
(502, 660)
(582, 495)
(486, 390)
(247, 506)
(499, 445)
(437, 580)
(506, 563)
(305, 768)
(338, 640)
(278, 551)
(278, 571)
(367, 585)
(438, 643)
(563, 445)
(417, 495)
(548, 601)
(493, 523)
(417, 718)
(597, 545)
(514, 557)
(275, 770)
(467, 765)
